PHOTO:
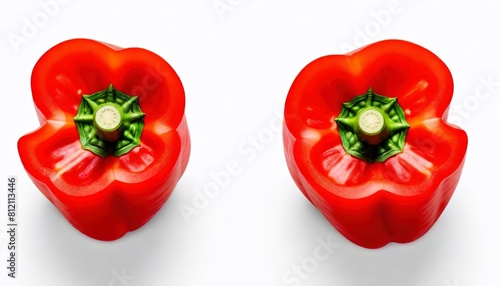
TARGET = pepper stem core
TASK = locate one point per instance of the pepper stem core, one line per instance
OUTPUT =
(109, 122)
(372, 127)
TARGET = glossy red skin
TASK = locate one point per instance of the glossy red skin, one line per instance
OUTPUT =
(400, 199)
(105, 198)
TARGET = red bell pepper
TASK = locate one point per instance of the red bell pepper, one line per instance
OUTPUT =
(113, 140)
(367, 142)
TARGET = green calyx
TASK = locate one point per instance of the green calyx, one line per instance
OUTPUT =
(372, 127)
(109, 122)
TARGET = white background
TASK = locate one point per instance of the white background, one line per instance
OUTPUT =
(237, 59)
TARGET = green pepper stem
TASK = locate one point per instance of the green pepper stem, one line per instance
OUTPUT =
(109, 122)
(372, 127)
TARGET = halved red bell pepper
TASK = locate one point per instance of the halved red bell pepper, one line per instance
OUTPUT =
(367, 142)
(113, 140)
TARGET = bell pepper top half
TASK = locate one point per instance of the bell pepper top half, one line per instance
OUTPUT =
(113, 139)
(367, 142)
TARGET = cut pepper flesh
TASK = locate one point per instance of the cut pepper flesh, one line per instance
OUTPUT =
(373, 199)
(113, 140)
